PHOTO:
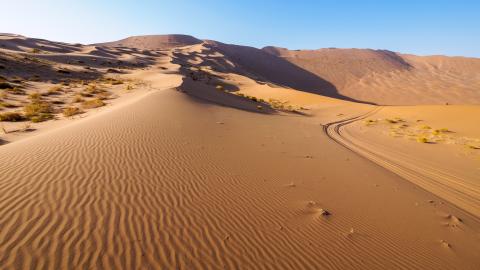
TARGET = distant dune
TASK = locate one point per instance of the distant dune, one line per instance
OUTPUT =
(153, 42)
(362, 75)
(388, 78)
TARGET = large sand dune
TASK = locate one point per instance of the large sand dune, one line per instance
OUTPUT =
(219, 159)
(389, 78)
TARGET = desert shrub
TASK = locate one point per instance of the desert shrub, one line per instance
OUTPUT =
(77, 98)
(54, 90)
(5, 85)
(11, 117)
(391, 121)
(41, 117)
(422, 140)
(37, 108)
(129, 87)
(71, 111)
(93, 103)
(35, 96)
(35, 50)
(4, 104)
(16, 91)
(103, 95)
(86, 94)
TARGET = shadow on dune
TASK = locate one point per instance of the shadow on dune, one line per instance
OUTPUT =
(264, 67)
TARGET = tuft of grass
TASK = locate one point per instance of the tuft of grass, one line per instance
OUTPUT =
(78, 98)
(54, 90)
(391, 121)
(425, 127)
(93, 103)
(41, 117)
(34, 97)
(4, 104)
(422, 140)
(36, 108)
(369, 122)
(103, 95)
(71, 111)
(11, 117)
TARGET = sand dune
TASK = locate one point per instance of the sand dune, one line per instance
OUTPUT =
(154, 42)
(227, 157)
(389, 78)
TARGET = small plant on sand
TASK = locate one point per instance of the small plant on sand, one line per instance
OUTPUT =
(41, 117)
(93, 103)
(103, 95)
(369, 122)
(391, 121)
(4, 104)
(71, 111)
(34, 97)
(129, 87)
(422, 140)
(11, 117)
(425, 127)
(77, 98)
(38, 111)
(35, 50)
(54, 90)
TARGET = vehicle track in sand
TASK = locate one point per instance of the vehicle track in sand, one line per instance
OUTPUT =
(445, 184)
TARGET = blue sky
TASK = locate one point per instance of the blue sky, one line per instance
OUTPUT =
(409, 26)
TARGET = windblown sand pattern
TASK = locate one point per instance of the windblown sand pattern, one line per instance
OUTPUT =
(137, 188)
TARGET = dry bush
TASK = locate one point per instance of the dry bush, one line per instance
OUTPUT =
(93, 103)
(422, 140)
(78, 98)
(71, 111)
(11, 117)
(54, 90)
(37, 108)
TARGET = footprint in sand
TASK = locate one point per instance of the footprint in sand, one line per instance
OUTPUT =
(453, 221)
(445, 244)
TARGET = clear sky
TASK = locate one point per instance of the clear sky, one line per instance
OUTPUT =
(409, 26)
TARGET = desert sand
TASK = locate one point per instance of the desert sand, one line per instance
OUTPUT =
(216, 156)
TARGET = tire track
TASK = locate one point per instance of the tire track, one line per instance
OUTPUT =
(440, 183)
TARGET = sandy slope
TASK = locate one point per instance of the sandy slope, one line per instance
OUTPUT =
(148, 190)
(389, 78)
